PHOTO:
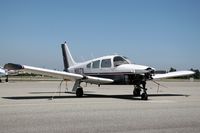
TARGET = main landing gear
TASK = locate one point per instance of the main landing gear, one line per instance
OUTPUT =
(138, 88)
(6, 80)
(136, 92)
(78, 89)
(79, 92)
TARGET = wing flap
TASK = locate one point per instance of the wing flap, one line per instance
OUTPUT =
(173, 74)
(97, 80)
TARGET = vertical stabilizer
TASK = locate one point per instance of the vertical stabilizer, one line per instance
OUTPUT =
(67, 57)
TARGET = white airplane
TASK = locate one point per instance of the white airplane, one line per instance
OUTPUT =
(3, 73)
(112, 69)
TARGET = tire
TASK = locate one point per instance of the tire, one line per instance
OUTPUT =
(79, 92)
(144, 96)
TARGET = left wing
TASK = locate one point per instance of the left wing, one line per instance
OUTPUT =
(173, 74)
(58, 74)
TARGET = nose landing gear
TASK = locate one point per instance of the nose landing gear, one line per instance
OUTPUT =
(138, 88)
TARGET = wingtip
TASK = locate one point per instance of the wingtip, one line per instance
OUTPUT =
(190, 72)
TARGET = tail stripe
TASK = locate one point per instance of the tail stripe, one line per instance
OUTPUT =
(67, 57)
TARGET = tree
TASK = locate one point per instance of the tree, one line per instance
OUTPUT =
(197, 73)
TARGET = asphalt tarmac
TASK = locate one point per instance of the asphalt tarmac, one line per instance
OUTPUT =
(29, 107)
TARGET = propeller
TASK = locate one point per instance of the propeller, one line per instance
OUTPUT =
(150, 73)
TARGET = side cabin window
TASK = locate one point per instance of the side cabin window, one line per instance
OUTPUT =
(106, 63)
(118, 60)
(95, 64)
(88, 65)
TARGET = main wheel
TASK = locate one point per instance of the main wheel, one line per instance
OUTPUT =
(79, 92)
(6, 78)
(144, 96)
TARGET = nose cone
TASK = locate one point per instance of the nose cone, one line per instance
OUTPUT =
(151, 69)
(141, 69)
(136, 69)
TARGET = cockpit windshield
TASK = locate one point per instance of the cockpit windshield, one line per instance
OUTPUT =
(119, 60)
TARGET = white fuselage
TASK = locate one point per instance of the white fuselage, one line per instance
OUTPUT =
(108, 66)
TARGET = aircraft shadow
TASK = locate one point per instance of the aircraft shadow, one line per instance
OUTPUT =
(45, 92)
(125, 97)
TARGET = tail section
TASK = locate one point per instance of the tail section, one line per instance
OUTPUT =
(67, 57)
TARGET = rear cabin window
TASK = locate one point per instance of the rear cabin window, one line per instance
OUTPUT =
(106, 63)
(88, 65)
(95, 64)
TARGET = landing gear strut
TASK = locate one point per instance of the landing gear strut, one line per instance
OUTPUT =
(78, 89)
(137, 90)
(144, 95)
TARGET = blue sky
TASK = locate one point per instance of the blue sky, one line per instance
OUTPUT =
(158, 33)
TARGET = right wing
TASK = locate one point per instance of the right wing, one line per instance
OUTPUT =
(173, 74)
(58, 74)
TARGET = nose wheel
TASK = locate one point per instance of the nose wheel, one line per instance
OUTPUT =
(144, 96)
(138, 88)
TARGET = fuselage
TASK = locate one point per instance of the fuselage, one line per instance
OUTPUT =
(116, 67)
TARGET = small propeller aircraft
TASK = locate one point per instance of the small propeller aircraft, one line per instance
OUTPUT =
(3, 73)
(112, 69)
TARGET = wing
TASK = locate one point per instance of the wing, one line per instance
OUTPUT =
(57, 74)
(173, 74)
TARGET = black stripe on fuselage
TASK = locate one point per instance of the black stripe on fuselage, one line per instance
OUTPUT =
(111, 73)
